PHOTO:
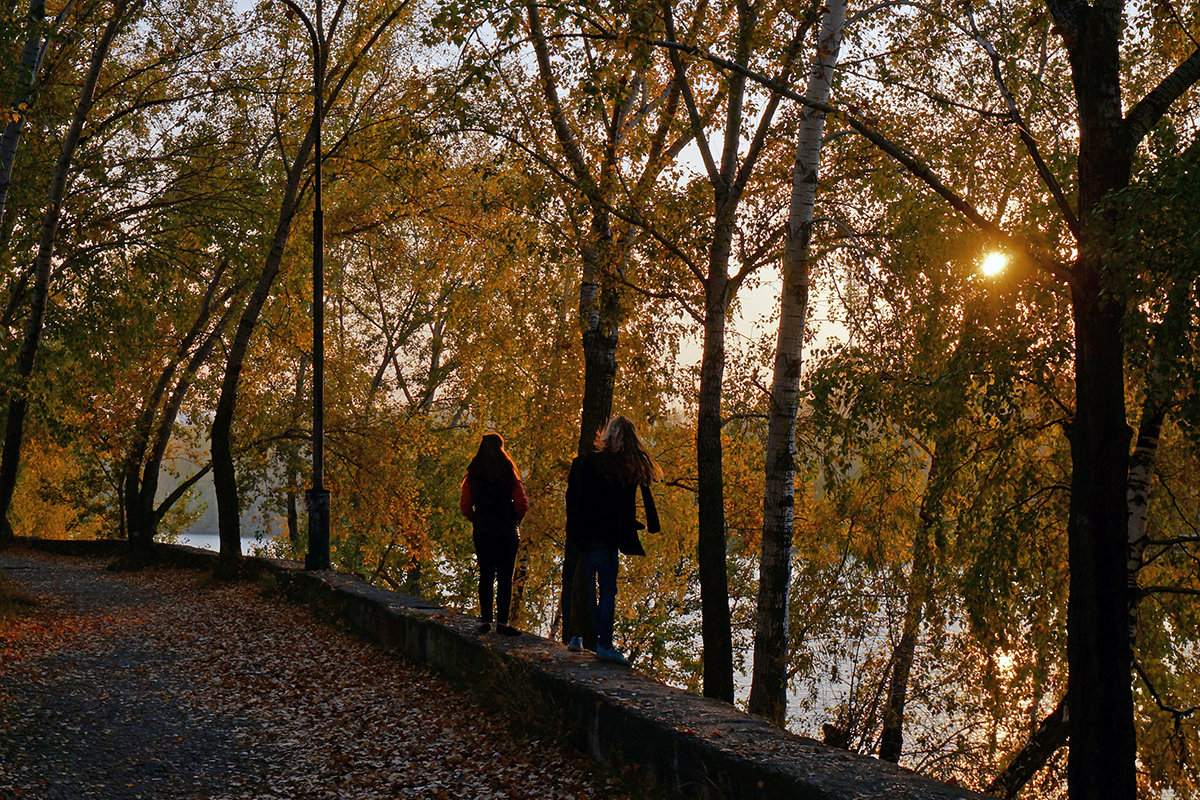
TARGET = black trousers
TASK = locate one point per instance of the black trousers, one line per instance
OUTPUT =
(496, 552)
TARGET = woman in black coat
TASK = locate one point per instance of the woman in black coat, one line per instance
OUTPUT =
(601, 520)
(493, 498)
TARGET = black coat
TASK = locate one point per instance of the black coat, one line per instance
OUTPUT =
(602, 506)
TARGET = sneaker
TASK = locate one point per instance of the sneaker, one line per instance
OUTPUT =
(484, 627)
(576, 644)
(507, 630)
(612, 655)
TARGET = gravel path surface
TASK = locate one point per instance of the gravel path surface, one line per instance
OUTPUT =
(158, 684)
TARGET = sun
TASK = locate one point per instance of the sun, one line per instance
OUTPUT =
(993, 264)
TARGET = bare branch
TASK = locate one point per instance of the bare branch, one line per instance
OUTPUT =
(684, 305)
(1177, 713)
(710, 165)
(911, 163)
(179, 492)
(1145, 115)
(1148, 590)
(1023, 129)
(735, 417)
(562, 129)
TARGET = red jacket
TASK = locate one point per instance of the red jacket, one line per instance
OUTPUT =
(520, 502)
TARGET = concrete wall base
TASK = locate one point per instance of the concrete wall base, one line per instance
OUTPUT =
(652, 733)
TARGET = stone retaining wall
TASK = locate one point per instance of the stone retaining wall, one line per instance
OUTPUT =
(680, 743)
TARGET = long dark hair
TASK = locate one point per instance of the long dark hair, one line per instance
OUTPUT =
(492, 464)
(620, 441)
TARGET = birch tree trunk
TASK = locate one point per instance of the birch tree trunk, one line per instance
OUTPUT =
(728, 174)
(18, 402)
(1141, 474)
(1142, 462)
(603, 251)
(600, 321)
(27, 79)
(603, 256)
(768, 688)
(516, 605)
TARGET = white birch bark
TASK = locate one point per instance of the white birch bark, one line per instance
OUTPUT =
(1142, 463)
(768, 691)
(1144, 458)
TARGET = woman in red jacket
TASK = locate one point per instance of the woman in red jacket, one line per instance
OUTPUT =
(493, 498)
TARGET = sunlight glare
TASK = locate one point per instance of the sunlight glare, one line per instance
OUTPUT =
(993, 264)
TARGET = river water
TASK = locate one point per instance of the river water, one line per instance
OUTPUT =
(211, 541)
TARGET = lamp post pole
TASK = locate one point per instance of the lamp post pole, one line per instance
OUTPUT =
(317, 498)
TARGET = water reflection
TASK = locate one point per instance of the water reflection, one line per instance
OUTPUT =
(212, 541)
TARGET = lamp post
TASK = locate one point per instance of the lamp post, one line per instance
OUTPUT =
(317, 498)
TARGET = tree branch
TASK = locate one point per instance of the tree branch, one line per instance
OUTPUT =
(684, 305)
(913, 165)
(1177, 713)
(566, 137)
(179, 492)
(710, 165)
(1145, 115)
(1051, 734)
(1147, 590)
(1015, 117)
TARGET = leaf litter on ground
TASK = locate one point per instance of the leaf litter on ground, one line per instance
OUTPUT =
(238, 696)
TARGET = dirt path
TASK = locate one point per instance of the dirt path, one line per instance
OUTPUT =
(156, 685)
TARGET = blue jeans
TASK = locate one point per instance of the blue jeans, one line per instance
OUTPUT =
(601, 567)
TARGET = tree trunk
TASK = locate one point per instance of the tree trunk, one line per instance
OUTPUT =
(714, 581)
(603, 256)
(141, 469)
(768, 688)
(224, 472)
(1051, 734)
(26, 80)
(1141, 473)
(1099, 693)
(1159, 395)
(150, 513)
(728, 174)
(600, 320)
(891, 739)
(1101, 763)
(18, 404)
(520, 579)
